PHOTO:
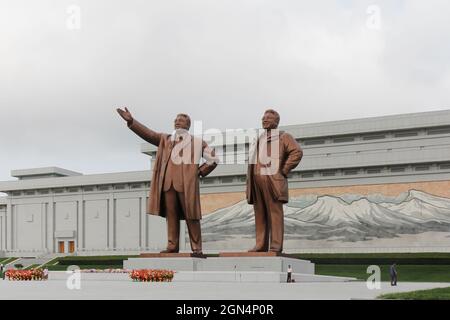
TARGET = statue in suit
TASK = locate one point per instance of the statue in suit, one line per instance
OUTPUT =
(272, 156)
(174, 191)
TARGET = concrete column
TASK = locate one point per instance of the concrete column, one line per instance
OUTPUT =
(111, 216)
(52, 223)
(142, 221)
(3, 229)
(43, 226)
(80, 226)
(50, 226)
(9, 226)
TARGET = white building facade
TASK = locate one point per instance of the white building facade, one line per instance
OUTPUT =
(377, 184)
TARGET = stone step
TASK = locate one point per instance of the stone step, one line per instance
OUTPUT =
(252, 276)
(207, 276)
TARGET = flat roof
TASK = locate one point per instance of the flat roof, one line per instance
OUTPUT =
(55, 171)
(398, 122)
(77, 181)
(372, 124)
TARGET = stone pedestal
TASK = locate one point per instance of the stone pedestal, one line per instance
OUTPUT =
(254, 254)
(251, 276)
(172, 255)
(168, 263)
(243, 263)
(231, 267)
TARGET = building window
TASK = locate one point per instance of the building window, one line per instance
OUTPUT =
(444, 166)
(88, 189)
(308, 175)
(227, 179)
(103, 188)
(208, 180)
(405, 134)
(58, 190)
(29, 193)
(136, 186)
(421, 168)
(73, 190)
(398, 169)
(373, 171)
(343, 139)
(350, 172)
(328, 173)
(313, 142)
(374, 137)
(443, 130)
(119, 187)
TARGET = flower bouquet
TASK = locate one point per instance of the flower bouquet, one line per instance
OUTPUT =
(151, 275)
(25, 275)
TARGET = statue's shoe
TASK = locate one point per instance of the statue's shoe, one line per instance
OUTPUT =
(276, 251)
(169, 251)
(255, 249)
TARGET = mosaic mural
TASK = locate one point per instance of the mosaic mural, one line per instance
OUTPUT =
(411, 218)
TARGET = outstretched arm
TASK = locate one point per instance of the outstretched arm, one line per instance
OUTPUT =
(138, 128)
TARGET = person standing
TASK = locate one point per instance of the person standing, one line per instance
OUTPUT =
(2, 270)
(175, 191)
(289, 274)
(393, 274)
(271, 157)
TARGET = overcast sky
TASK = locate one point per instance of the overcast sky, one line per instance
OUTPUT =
(221, 61)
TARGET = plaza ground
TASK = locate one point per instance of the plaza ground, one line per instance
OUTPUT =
(55, 289)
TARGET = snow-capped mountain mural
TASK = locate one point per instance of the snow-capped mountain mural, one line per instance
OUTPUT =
(346, 219)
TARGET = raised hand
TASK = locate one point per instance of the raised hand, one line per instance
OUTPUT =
(125, 114)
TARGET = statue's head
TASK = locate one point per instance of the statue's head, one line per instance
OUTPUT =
(271, 119)
(182, 121)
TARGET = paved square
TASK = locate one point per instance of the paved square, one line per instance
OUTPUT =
(57, 289)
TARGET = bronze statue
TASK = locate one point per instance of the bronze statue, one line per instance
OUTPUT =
(174, 191)
(267, 185)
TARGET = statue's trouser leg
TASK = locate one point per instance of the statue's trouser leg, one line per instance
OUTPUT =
(193, 225)
(273, 214)
(276, 224)
(172, 219)
(261, 221)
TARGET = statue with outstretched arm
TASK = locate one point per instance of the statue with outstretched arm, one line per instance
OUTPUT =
(174, 190)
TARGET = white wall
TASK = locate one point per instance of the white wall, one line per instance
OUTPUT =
(96, 224)
(2, 229)
(28, 221)
(99, 222)
(66, 216)
(127, 215)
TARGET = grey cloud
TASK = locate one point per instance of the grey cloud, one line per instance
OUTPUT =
(222, 62)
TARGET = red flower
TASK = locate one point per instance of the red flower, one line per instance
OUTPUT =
(25, 275)
(150, 275)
